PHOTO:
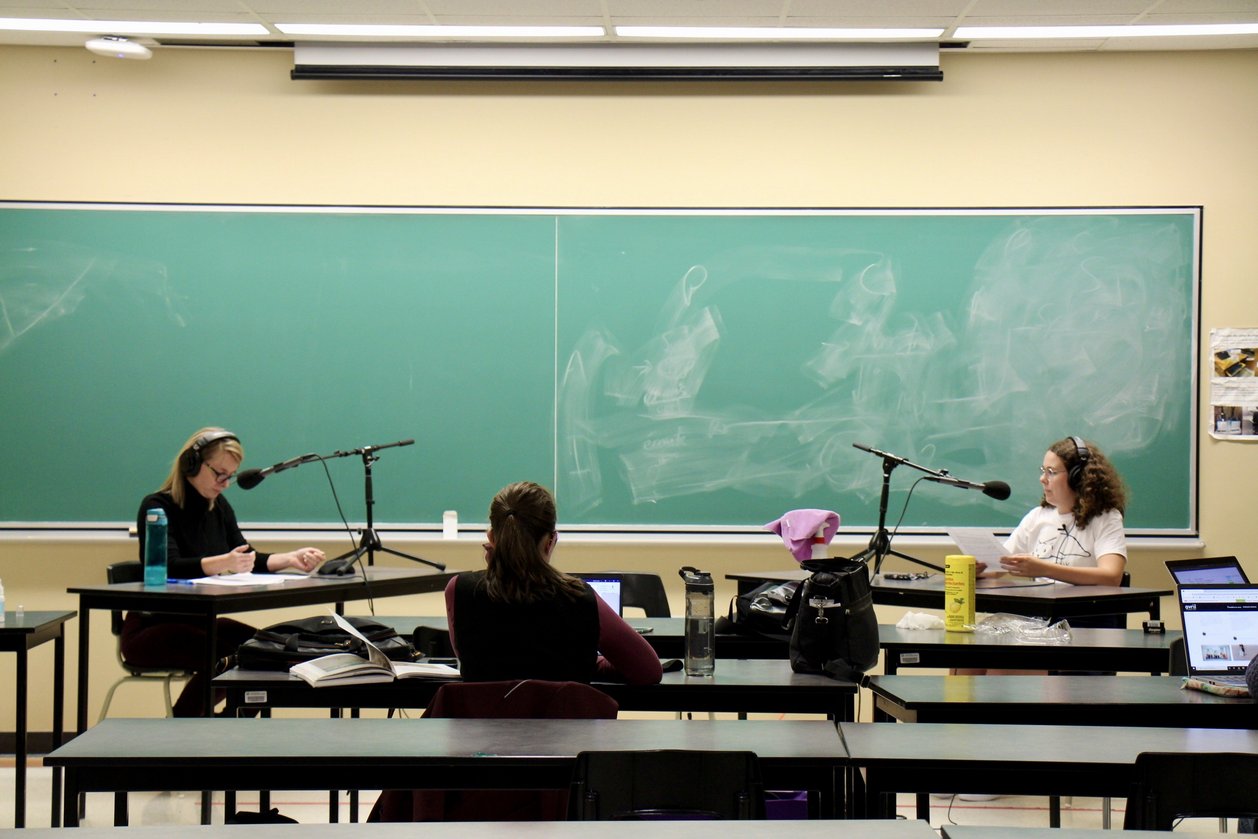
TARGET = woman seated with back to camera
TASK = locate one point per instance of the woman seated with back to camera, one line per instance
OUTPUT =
(522, 618)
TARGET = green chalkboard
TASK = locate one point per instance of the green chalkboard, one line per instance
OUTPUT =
(661, 370)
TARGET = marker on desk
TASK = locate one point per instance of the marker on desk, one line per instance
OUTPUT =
(171, 581)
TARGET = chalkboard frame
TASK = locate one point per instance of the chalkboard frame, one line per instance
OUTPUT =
(858, 519)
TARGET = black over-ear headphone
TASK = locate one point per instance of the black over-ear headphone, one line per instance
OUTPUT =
(1075, 476)
(191, 459)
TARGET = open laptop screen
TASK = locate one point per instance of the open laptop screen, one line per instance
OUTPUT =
(1220, 628)
(1218, 569)
(607, 588)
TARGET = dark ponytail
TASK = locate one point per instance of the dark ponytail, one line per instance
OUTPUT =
(522, 518)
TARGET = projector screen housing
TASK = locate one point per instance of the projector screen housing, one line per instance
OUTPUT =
(822, 61)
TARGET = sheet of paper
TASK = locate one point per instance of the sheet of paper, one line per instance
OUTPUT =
(244, 579)
(979, 543)
(374, 654)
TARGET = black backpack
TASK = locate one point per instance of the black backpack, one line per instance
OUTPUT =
(834, 630)
(281, 645)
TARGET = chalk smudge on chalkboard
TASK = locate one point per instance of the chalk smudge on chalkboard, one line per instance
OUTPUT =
(1062, 324)
(46, 281)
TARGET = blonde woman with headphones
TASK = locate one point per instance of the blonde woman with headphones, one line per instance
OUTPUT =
(203, 539)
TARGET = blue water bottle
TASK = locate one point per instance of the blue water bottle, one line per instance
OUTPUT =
(155, 547)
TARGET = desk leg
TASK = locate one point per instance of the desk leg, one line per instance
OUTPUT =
(85, 633)
(211, 661)
(58, 717)
(121, 816)
(20, 750)
(1054, 811)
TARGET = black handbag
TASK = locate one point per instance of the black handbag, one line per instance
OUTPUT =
(281, 645)
(763, 611)
(834, 630)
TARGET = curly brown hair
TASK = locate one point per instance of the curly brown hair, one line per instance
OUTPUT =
(1099, 487)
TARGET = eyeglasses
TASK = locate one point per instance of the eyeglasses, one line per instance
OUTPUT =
(1049, 472)
(221, 477)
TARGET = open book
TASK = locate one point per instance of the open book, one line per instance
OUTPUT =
(349, 669)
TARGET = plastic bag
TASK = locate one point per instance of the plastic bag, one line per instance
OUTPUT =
(1020, 629)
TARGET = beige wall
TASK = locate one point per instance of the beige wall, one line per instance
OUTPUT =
(1001, 130)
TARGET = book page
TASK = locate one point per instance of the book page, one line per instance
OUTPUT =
(374, 655)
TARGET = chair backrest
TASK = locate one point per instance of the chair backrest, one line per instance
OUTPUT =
(522, 699)
(638, 590)
(667, 784)
(131, 571)
(1179, 658)
(1170, 786)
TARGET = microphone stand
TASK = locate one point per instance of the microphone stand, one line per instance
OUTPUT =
(880, 544)
(370, 542)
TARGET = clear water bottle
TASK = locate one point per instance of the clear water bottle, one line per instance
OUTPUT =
(700, 622)
(155, 547)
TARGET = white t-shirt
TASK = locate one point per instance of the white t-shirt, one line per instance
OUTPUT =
(1053, 536)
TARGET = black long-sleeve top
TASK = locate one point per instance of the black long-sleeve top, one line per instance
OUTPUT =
(195, 531)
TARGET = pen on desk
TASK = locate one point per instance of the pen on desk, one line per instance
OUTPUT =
(171, 581)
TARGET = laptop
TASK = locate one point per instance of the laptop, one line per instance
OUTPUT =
(607, 588)
(1220, 631)
(1217, 569)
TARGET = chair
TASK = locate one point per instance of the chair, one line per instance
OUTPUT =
(1171, 786)
(520, 699)
(133, 572)
(641, 591)
(667, 784)
(1179, 658)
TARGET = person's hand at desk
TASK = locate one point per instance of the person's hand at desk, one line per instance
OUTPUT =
(301, 559)
(235, 561)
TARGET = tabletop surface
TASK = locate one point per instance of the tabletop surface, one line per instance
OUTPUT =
(32, 621)
(870, 744)
(118, 742)
(915, 691)
(1001, 587)
(814, 829)
(728, 673)
(1125, 639)
(952, 831)
(293, 583)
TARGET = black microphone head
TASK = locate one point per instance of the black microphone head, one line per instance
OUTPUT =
(996, 489)
(249, 478)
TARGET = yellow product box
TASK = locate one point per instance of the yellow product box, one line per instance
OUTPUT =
(959, 593)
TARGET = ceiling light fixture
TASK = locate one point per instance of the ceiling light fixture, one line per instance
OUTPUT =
(1019, 33)
(132, 27)
(777, 33)
(117, 47)
(332, 30)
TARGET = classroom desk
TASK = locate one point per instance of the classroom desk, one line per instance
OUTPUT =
(124, 755)
(20, 635)
(208, 603)
(752, 829)
(754, 685)
(1014, 759)
(1156, 701)
(1123, 650)
(1053, 600)
(954, 831)
(667, 636)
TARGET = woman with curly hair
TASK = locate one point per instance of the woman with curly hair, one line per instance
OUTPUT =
(1076, 534)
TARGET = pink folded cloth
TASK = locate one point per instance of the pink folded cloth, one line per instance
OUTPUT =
(798, 527)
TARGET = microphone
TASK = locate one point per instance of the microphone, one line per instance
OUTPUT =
(992, 489)
(250, 478)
